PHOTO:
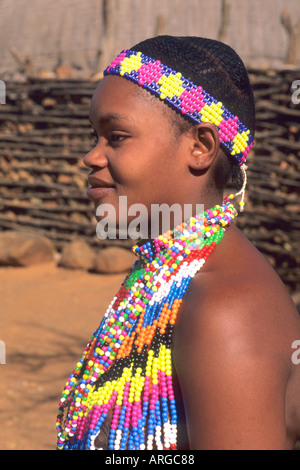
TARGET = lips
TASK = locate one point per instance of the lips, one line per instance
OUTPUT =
(99, 188)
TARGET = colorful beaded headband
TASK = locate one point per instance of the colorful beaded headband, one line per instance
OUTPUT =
(184, 96)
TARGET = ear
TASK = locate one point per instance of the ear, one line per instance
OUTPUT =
(205, 146)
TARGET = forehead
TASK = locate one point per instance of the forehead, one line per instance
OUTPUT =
(118, 96)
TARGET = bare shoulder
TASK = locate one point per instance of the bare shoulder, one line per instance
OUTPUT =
(238, 291)
(233, 340)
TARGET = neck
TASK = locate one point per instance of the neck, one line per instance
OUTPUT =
(182, 215)
(194, 231)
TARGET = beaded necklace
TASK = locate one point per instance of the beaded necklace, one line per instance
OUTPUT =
(125, 373)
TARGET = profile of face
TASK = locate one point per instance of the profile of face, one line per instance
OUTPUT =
(137, 152)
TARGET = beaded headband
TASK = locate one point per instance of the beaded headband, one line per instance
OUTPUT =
(184, 96)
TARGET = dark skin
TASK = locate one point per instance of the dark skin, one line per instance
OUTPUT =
(233, 339)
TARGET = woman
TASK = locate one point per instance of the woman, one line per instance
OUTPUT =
(195, 350)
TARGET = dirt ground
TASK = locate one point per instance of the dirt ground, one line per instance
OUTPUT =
(47, 317)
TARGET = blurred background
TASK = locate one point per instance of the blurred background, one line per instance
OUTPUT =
(56, 276)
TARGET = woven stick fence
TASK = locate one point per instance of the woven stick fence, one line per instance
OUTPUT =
(45, 132)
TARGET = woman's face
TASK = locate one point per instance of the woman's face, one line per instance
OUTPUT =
(137, 154)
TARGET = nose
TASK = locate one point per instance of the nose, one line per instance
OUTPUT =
(95, 158)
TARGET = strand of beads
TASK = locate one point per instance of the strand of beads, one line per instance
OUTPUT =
(126, 368)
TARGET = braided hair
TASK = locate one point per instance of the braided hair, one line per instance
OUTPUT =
(220, 71)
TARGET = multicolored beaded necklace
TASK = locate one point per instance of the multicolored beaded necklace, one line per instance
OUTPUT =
(125, 374)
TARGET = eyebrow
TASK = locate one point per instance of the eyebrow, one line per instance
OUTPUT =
(110, 117)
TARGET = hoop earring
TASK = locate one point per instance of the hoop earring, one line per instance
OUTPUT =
(243, 189)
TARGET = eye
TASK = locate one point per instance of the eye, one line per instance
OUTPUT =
(94, 137)
(115, 138)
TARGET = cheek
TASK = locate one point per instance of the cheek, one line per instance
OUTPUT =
(138, 165)
(147, 170)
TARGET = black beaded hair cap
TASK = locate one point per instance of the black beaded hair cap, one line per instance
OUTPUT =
(213, 64)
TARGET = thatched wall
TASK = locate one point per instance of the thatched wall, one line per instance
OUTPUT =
(40, 36)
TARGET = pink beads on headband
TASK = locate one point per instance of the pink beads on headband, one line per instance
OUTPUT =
(150, 72)
(192, 100)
